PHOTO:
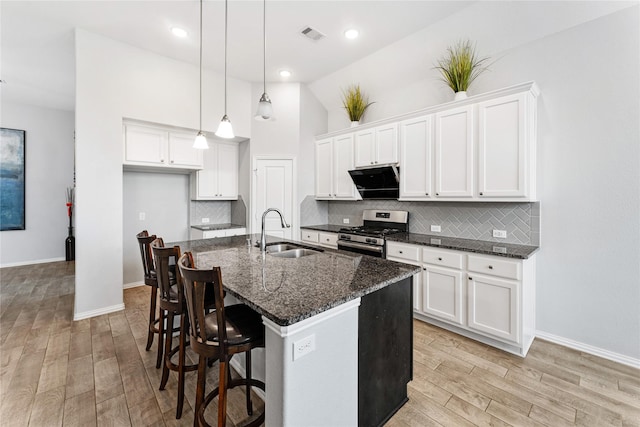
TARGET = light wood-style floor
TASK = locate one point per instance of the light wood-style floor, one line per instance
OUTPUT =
(54, 371)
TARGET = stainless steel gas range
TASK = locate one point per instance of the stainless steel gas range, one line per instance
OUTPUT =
(369, 238)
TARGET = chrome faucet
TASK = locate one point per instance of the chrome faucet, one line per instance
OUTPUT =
(263, 239)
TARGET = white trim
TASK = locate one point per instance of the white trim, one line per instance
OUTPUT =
(98, 312)
(596, 351)
(132, 285)
(285, 331)
(36, 261)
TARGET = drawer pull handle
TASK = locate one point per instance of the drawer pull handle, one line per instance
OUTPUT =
(439, 258)
(424, 268)
(491, 267)
(470, 278)
(481, 193)
(437, 194)
(426, 194)
(399, 252)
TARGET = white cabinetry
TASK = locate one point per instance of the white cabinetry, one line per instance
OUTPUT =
(454, 153)
(334, 158)
(209, 234)
(377, 145)
(416, 136)
(155, 146)
(322, 238)
(488, 298)
(219, 178)
(506, 149)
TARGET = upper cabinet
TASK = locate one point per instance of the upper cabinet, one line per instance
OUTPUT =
(158, 147)
(454, 153)
(334, 158)
(416, 146)
(506, 147)
(377, 145)
(218, 180)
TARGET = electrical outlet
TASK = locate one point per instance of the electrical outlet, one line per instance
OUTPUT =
(345, 220)
(436, 228)
(205, 220)
(142, 216)
(304, 346)
(500, 234)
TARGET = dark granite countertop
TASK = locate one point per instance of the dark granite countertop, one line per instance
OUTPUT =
(325, 227)
(208, 227)
(467, 245)
(287, 291)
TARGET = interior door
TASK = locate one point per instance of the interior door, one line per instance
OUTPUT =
(273, 188)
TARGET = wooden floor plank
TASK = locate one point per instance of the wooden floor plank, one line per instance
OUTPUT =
(80, 377)
(80, 410)
(113, 412)
(108, 382)
(53, 374)
(48, 408)
(474, 415)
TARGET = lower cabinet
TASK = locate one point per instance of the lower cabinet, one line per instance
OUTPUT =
(209, 234)
(487, 298)
(322, 238)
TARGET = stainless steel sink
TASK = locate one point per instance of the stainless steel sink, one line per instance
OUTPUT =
(293, 253)
(280, 247)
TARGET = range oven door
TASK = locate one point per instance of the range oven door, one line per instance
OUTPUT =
(361, 248)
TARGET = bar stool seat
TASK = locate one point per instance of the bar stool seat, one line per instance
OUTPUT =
(227, 331)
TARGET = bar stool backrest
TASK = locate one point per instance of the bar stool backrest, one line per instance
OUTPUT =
(162, 256)
(144, 241)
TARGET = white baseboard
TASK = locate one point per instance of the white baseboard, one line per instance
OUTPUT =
(36, 261)
(98, 312)
(132, 285)
(596, 351)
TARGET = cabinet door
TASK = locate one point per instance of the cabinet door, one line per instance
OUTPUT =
(324, 169)
(343, 187)
(442, 294)
(365, 152)
(415, 158)
(493, 307)
(145, 145)
(181, 151)
(386, 144)
(502, 147)
(227, 171)
(454, 153)
(206, 180)
(328, 239)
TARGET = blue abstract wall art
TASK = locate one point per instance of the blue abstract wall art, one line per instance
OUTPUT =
(12, 177)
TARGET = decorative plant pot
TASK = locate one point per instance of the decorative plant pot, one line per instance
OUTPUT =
(355, 123)
(460, 96)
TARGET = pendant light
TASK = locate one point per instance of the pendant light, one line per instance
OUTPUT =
(265, 109)
(224, 128)
(201, 139)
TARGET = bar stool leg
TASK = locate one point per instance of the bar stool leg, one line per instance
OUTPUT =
(167, 349)
(202, 382)
(248, 376)
(161, 332)
(184, 327)
(222, 393)
(152, 317)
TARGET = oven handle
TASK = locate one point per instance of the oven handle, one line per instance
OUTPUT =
(364, 246)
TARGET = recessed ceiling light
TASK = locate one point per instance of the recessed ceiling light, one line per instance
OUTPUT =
(179, 32)
(351, 33)
(285, 73)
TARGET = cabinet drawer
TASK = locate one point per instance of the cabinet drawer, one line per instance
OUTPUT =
(309, 236)
(399, 250)
(495, 266)
(443, 258)
(328, 239)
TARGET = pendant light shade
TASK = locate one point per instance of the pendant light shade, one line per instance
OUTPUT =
(265, 109)
(201, 140)
(224, 128)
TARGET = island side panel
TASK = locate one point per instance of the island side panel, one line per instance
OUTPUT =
(385, 362)
(319, 388)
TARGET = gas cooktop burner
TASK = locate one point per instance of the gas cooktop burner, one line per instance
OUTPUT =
(370, 231)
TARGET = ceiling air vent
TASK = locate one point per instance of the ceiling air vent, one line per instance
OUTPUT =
(312, 33)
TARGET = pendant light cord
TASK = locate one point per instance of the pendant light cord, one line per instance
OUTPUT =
(200, 93)
(264, 45)
(225, 55)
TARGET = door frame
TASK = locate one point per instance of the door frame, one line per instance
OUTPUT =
(295, 223)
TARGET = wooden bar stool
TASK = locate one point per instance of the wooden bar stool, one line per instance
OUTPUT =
(150, 279)
(226, 331)
(172, 304)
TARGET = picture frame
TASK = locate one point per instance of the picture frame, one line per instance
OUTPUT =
(12, 179)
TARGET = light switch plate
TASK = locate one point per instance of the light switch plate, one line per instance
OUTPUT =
(205, 220)
(345, 220)
(436, 228)
(142, 216)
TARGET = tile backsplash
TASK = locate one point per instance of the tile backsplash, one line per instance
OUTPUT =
(456, 219)
(217, 212)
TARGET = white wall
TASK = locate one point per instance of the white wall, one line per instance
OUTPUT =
(164, 199)
(588, 148)
(113, 81)
(49, 171)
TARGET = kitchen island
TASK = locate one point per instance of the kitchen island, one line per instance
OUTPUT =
(338, 329)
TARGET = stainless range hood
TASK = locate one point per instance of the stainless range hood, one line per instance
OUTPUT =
(381, 182)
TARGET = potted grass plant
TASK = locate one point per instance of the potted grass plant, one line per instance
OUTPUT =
(460, 67)
(355, 102)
